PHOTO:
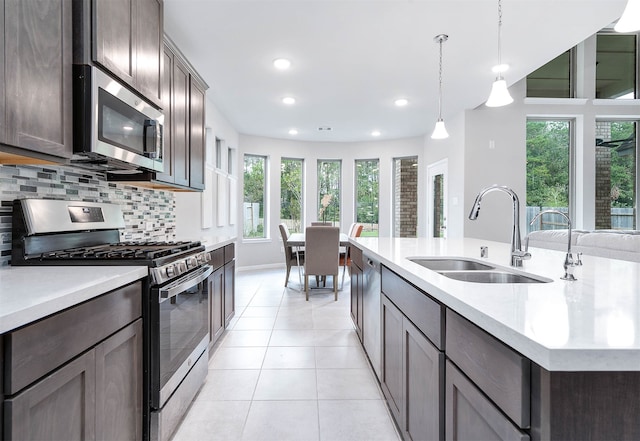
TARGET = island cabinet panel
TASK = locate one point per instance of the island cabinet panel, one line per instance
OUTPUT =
(36, 79)
(412, 376)
(357, 294)
(575, 406)
(229, 283)
(425, 313)
(499, 371)
(470, 415)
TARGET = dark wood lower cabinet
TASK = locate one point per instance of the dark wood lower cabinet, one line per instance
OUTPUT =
(96, 396)
(412, 377)
(357, 294)
(229, 291)
(216, 302)
(60, 407)
(471, 416)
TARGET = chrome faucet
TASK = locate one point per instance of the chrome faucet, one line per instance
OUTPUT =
(517, 254)
(569, 262)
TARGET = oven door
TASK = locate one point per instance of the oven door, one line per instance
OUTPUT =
(179, 331)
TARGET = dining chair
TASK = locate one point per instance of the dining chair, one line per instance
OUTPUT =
(345, 255)
(290, 257)
(321, 255)
(321, 224)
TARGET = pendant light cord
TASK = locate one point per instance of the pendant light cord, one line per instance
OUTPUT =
(440, 84)
(499, 36)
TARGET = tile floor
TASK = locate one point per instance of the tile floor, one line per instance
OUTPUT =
(288, 369)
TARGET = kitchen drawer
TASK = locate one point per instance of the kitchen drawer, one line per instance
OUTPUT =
(356, 256)
(217, 258)
(36, 349)
(500, 372)
(229, 252)
(425, 313)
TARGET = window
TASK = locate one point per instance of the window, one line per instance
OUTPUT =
(554, 79)
(616, 163)
(291, 191)
(218, 153)
(616, 66)
(231, 160)
(548, 172)
(405, 197)
(329, 191)
(367, 193)
(255, 199)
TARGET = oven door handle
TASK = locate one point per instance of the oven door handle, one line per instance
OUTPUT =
(184, 283)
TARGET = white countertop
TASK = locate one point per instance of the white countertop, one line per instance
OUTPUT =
(29, 293)
(214, 242)
(592, 324)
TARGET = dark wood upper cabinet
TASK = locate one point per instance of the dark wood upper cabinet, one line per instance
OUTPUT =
(197, 152)
(180, 121)
(37, 77)
(3, 89)
(127, 40)
(167, 109)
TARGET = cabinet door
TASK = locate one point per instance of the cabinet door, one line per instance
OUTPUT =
(229, 291)
(114, 37)
(167, 103)
(180, 121)
(150, 50)
(119, 385)
(216, 309)
(197, 159)
(423, 375)
(38, 77)
(391, 381)
(356, 298)
(471, 416)
(59, 407)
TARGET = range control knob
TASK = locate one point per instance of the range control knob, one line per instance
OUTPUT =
(171, 271)
(192, 262)
(207, 257)
(182, 267)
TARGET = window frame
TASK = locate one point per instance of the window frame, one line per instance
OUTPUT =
(266, 209)
(302, 189)
(355, 191)
(319, 196)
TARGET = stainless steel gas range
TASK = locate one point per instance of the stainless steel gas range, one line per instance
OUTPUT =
(175, 315)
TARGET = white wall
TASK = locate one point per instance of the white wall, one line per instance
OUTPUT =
(195, 209)
(268, 251)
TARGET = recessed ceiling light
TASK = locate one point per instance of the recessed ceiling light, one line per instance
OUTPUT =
(293, 132)
(289, 100)
(324, 129)
(281, 63)
(401, 102)
(375, 133)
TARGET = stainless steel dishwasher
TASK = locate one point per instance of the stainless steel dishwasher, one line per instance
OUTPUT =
(371, 311)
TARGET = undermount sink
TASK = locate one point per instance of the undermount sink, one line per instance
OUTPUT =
(470, 270)
(492, 277)
(451, 264)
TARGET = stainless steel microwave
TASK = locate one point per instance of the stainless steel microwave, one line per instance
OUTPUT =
(114, 129)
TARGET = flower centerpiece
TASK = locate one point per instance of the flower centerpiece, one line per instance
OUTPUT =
(325, 202)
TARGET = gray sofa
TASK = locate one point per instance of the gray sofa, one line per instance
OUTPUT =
(613, 244)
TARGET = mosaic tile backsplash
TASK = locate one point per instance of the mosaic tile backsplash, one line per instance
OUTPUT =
(148, 214)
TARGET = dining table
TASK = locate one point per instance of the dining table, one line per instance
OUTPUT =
(297, 242)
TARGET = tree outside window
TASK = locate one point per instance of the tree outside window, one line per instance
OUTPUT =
(367, 194)
(329, 191)
(548, 148)
(254, 201)
(291, 191)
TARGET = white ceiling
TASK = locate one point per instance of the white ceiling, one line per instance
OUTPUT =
(353, 58)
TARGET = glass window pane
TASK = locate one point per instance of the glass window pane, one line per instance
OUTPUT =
(616, 175)
(367, 193)
(329, 191)
(405, 197)
(218, 153)
(616, 66)
(254, 201)
(553, 80)
(548, 149)
(291, 192)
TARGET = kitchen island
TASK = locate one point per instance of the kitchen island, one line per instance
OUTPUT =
(556, 360)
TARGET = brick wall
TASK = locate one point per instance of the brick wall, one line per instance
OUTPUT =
(141, 207)
(406, 197)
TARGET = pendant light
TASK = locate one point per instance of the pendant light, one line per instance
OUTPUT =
(630, 20)
(499, 93)
(440, 131)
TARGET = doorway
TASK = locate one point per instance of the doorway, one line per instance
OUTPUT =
(437, 212)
